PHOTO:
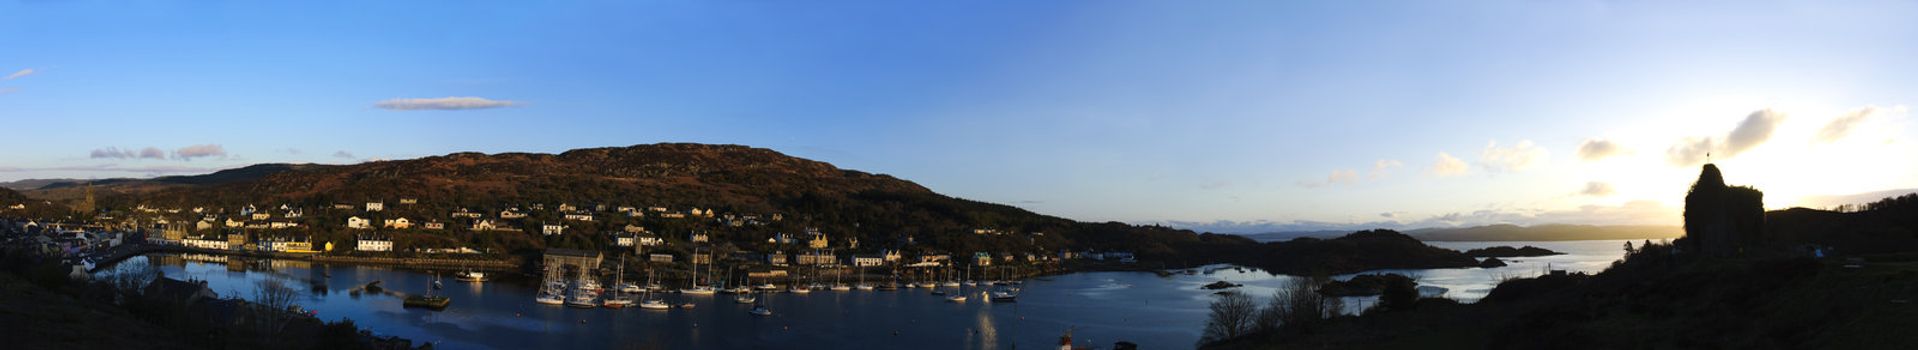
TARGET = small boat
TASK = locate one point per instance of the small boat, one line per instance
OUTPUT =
(427, 301)
(616, 303)
(841, 288)
(766, 286)
(687, 305)
(656, 304)
(549, 299)
(629, 288)
(760, 310)
(938, 292)
(956, 298)
(745, 299)
(700, 290)
(801, 289)
(1005, 295)
(949, 284)
(865, 287)
(582, 298)
(436, 282)
(470, 276)
(888, 287)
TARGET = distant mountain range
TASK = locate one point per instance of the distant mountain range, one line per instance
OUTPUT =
(1550, 232)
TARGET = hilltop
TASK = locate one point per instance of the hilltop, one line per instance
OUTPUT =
(879, 211)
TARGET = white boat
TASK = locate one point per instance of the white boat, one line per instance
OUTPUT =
(549, 299)
(949, 284)
(956, 297)
(760, 310)
(841, 287)
(699, 290)
(629, 288)
(470, 276)
(1005, 295)
(656, 304)
(801, 289)
(745, 299)
(766, 286)
(617, 302)
(863, 286)
(687, 305)
(582, 298)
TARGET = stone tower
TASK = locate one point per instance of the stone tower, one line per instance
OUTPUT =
(1722, 220)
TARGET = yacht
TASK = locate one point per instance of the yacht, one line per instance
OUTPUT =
(582, 299)
(863, 286)
(801, 289)
(956, 298)
(841, 287)
(699, 290)
(656, 304)
(470, 276)
(629, 288)
(1005, 294)
(760, 310)
(617, 301)
(766, 286)
(745, 299)
(549, 299)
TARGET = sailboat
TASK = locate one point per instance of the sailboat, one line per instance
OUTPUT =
(745, 298)
(436, 281)
(950, 282)
(838, 286)
(695, 288)
(428, 300)
(862, 281)
(585, 292)
(621, 297)
(553, 292)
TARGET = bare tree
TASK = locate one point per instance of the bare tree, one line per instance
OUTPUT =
(1299, 306)
(271, 301)
(1233, 314)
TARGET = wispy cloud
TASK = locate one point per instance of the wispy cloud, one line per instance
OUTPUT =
(1383, 168)
(1838, 128)
(1519, 157)
(442, 103)
(19, 74)
(1447, 165)
(1598, 149)
(1753, 131)
(1597, 189)
(199, 151)
(1338, 177)
(343, 154)
(144, 169)
(129, 153)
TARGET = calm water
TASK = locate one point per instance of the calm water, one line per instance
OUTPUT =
(1101, 307)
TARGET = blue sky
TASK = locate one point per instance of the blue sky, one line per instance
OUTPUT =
(1219, 115)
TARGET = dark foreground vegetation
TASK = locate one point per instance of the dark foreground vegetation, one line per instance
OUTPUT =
(42, 306)
(1742, 279)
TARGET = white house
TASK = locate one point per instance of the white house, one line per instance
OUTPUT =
(625, 239)
(205, 243)
(400, 223)
(484, 225)
(374, 244)
(434, 225)
(550, 229)
(375, 206)
(511, 214)
(579, 217)
(868, 260)
(358, 223)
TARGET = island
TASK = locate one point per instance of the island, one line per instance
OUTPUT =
(1509, 252)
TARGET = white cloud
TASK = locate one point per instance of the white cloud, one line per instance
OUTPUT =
(1598, 149)
(1383, 167)
(1447, 165)
(1753, 131)
(1842, 126)
(442, 103)
(343, 154)
(19, 74)
(1517, 158)
(1597, 189)
(199, 151)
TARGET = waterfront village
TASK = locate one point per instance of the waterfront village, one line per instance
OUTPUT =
(574, 250)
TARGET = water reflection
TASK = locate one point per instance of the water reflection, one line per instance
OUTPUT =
(1154, 312)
